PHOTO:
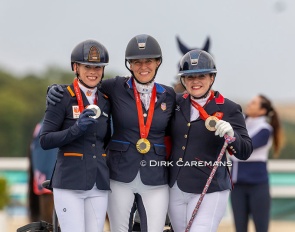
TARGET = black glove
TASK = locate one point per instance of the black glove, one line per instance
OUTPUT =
(54, 94)
(84, 120)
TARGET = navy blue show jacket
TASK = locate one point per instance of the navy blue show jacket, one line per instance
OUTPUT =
(195, 149)
(81, 159)
(123, 158)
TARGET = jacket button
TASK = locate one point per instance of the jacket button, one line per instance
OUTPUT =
(93, 145)
(188, 124)
(180, 159)
(183, 147)
(94, 156)
(185, 136)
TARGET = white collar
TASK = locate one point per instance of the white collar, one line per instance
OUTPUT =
(144, 88)
(88, 92)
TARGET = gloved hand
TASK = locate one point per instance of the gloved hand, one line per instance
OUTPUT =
(54, 94)
(223, 127)
(84, 120)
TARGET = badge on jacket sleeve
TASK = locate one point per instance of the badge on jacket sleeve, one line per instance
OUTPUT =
(76, 111)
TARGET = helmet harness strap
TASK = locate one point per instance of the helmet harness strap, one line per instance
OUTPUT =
(207, 92)
(82, 82)
(143, 83)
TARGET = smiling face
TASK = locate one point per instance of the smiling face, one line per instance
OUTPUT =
(197, 85)
(90, 74)
(144, 69)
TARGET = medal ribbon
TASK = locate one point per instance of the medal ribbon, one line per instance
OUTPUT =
(144, 129)
(78, 95)
(203, 114)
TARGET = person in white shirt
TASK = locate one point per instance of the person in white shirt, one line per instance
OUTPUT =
(250, 195)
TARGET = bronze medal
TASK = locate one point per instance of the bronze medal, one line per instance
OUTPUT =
(210, 123)
(143, 146)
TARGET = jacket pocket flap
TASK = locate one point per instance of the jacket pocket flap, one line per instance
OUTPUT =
(118, 145)
(160, 149)
(73, 154)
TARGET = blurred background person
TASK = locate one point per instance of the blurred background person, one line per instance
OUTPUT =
(41, 168)
(251, 194)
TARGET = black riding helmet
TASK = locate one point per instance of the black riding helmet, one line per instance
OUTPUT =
(142, 47)
(89, 52)
(197, 62)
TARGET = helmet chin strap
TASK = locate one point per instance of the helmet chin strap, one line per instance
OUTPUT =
(204, 95)
(87, 86)
(207, 92)
(143, 83)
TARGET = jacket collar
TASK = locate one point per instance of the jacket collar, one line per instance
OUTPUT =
(159, 88)
(161, 96)
(211, 108)
(102, 99)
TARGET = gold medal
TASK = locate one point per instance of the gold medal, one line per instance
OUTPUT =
(210, 123)
(143, 146)
(95, 109)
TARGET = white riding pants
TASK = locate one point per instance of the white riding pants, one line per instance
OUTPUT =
(152, 204)
(209, 215)
(79, 210)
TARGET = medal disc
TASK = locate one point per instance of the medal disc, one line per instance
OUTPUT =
(95, 109)
(143, 146)
(210, 123)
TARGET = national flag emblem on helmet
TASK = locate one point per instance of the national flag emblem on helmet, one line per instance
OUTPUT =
(93, 55)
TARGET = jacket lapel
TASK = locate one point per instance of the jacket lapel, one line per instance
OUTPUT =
(85, 100)
(161, 94)
(185, 107)
(101, 101)
(129, 87)
(212, 107)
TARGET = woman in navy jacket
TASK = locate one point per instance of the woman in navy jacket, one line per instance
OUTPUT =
(141, 110)
(251, 193)
(81, 177)
(195, 145)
